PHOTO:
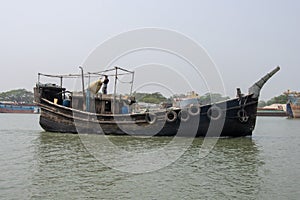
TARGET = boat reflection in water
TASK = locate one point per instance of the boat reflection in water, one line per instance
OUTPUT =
(64, 168)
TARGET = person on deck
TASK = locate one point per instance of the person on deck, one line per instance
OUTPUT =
(105, 82)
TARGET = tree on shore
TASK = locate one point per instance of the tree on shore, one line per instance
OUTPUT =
(209, 98)
(155, 98)
(18, 95)
(262, 103)
(22, 95)
(281, 99)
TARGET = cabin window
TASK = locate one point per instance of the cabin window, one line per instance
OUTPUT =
(107, 106)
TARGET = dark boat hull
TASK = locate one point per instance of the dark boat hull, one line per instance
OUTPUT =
(236, 118)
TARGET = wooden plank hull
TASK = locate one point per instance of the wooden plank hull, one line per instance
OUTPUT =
(93, 113)
(236, 118)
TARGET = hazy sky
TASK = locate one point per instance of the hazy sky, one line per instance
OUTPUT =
(245, 39)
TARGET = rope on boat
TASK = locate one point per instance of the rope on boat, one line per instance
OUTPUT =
(171, 116)
(150, 118)
(214, 113)
(194, 110)
(242, 114)
(184, 115)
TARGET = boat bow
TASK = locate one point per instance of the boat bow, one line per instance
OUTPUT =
(256, 87)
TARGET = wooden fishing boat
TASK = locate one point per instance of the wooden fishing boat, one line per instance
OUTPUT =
(86, 112)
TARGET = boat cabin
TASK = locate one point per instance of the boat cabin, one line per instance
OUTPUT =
(99, 103)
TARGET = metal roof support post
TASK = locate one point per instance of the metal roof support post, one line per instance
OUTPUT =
(83, 92)
(115, 90)
(39, 77)
(132, 79)
(61, 81)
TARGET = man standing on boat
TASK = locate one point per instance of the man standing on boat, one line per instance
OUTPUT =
(105, 82)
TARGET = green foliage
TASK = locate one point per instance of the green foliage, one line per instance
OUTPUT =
(178, 96)
(262, 104)
(209, 98)
(18, 95)
(282, 99)
(158, 98)
(155, 98)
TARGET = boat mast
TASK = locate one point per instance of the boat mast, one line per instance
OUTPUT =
(61, 81)
(82, 80)
(132, 79)
(116, 77)
(115, 89)
(82, 83)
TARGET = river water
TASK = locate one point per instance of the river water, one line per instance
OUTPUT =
(38, 165)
